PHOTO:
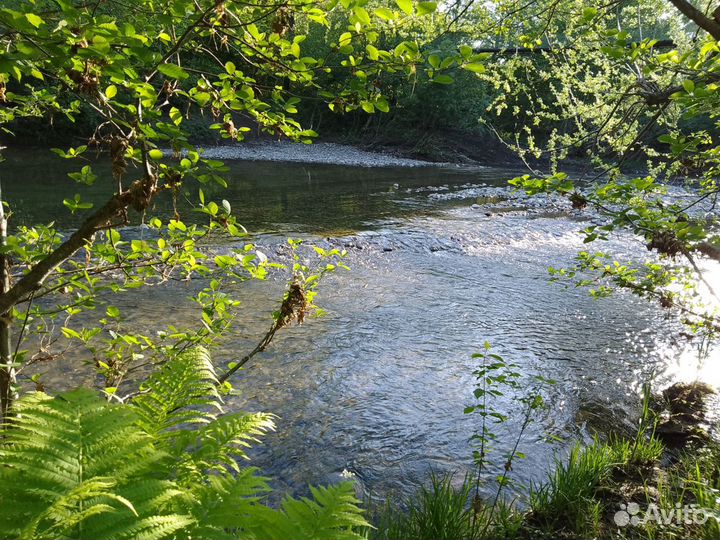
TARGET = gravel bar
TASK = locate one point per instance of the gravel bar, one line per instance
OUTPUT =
(328, 153)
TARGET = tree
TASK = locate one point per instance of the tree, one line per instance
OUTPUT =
(625, 84)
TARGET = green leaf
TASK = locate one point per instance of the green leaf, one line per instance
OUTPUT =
(155, 154)
(425, 8)
(688, 85)
(69, 333)
(173, 71)
(474, 67)
(176, 116)
(385, 13)
(111, 91)
(443, 79)
(345, 39)
(34, 19)
(382, 105)
(202, 98)
(362, 15)
(368, 107)
(85, 176)
(405, 5)
(589, 13)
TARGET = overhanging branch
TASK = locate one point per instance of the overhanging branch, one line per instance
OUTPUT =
(137, 196)
(711, 26)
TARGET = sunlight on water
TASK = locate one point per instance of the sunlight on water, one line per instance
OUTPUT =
(699, 361)
(710, 287)
(693, 363)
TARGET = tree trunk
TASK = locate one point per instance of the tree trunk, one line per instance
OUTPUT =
(7, 371)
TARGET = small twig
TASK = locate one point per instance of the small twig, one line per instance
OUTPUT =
(24, 325)
(264, 342)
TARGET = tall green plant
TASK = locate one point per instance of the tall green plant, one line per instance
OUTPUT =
(163, 466)
(495, 376)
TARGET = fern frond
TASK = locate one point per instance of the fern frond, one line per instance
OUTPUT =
(74, 464)
(71, 509)
(152, 527)
(164, 467)
(228, 502)
(332, 514)
(218, 445)
(183, 391)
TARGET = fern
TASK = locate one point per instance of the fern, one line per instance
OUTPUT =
(332, 514)
(180, 403)
(228, 502)
(164, 466)
(184, 391)
(75, 462)
(218, 445)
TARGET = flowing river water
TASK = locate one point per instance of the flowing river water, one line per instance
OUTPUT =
(378, 386)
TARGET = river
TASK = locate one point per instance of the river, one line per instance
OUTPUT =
(378, 386)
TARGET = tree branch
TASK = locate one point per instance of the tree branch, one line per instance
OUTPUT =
(137, 196)
(711, 26)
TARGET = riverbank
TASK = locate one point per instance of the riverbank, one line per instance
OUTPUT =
(351, 152)
(327, 153)
(633, 486)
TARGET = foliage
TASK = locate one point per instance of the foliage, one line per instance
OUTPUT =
(632, 84)
(568, 501)
(438, 510)
(420, 103)
(163, 466)
(494, 377)
(579, 499)
(139, 71)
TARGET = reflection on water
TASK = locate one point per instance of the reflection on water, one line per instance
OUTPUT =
(378, 386)
(265, 196)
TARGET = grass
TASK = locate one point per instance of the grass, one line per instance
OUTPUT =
(578, 500)
(441, 511)
(438, 511)
(567, 501)
(582, 496)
